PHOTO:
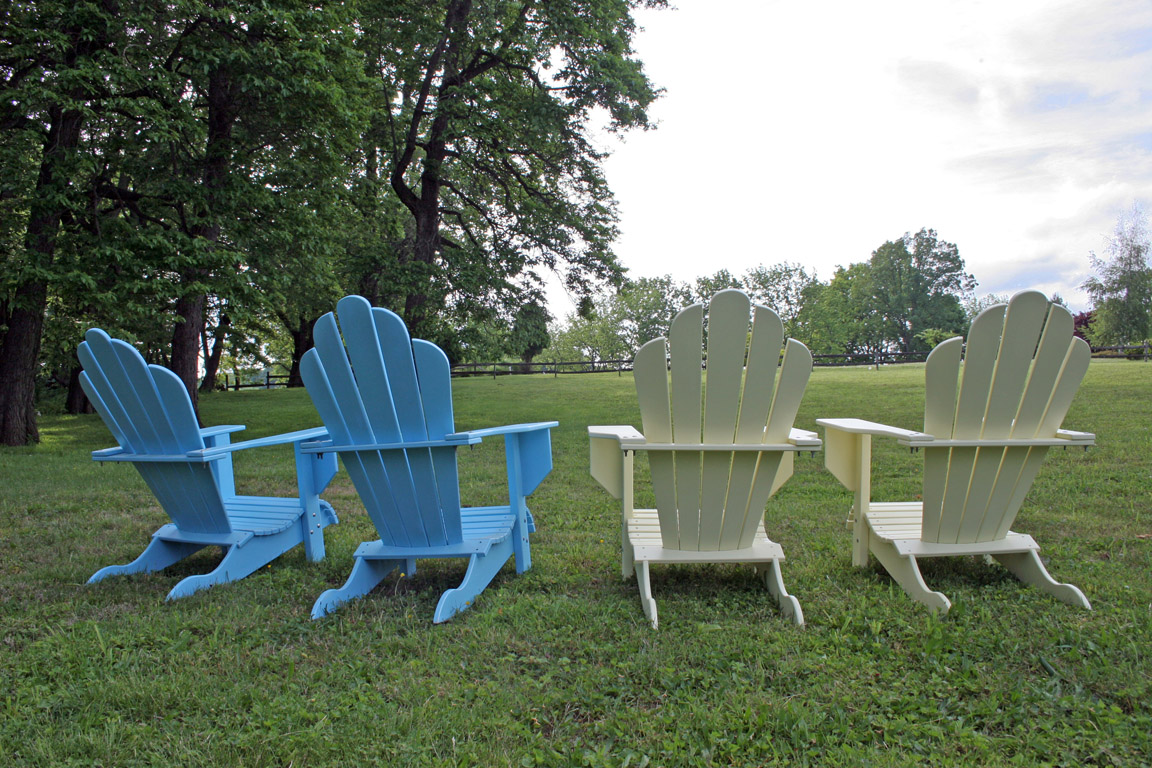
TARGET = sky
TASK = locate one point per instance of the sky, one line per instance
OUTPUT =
(813, 132)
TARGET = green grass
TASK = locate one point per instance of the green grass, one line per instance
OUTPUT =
(559, 667)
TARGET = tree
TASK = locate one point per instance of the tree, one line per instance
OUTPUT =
(1121, 289)
(704, 288)
(619, 322)
(529, 336)
(780, 287)
(918, 282)
(484, 127)
(51, 63)
(974, 306)
(163, 142)
(235, 138)
(231, 160)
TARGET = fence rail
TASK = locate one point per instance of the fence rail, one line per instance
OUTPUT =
(554, 368)
(272, 381)
(1132, 352)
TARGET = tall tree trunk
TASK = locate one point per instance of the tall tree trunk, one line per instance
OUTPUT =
(222, 113)
(186, 342)
(20, 352)
(77, 401)
(425, 206)
(301, 342)
(18, 360)
(212, 358)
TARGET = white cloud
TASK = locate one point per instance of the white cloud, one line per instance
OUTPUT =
(814, 132)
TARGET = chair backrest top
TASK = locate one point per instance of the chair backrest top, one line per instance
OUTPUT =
(386, 387)
(1021, 369)
(714, 500)
(373, 386)
(743, 401)
(149, 412)
(1022, 366)
(146, 407)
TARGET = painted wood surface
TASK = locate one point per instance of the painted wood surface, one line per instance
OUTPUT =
(988, 422)
(717, 452)
(189, 470)
(386, 400)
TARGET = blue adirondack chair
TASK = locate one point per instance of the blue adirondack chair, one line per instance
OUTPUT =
(386, 400)
(189, 469)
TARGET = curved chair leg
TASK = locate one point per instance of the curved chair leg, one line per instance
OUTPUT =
(644, 581)
(481, 570)
(1028, 567)
(240, 561)
(158, 555)
(367, 572)
(774, 580)
(906, 572)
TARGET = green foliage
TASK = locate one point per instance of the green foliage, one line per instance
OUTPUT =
(909, 288)
(708, 286)
(620, 322)
(1121, 289)
(974, 306)
(840, 317)
(918, 282)
(481, 126)
(558, 667)
(782, 287)
(268, 157)
(933, 336)
(529, 335)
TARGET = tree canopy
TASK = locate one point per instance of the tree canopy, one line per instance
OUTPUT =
(1122, 286)
(194, 174)
(909, 294)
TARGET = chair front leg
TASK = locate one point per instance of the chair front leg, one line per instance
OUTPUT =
(313, 473)
(517, 505)
(627, 509)
(848, 456)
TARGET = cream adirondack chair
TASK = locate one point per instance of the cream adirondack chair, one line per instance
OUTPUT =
(987, 425)
(711, 476)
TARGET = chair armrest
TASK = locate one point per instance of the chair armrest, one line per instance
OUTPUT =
(328, 446)
(119, 454)
(847, 448)
(621, 434)
(207, 454)
(506, 430)
(863, 427)
(222, 429)
(912, 439)
(1077, 438)
(606, 447)
(802, 438)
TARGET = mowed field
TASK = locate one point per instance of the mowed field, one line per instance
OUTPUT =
(558, 666)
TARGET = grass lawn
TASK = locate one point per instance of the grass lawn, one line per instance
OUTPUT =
(559, 667)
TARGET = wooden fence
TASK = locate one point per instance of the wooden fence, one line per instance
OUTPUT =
(272, 381)
(1132, 352)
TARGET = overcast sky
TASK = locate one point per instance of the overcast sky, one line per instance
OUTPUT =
(815, 131)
